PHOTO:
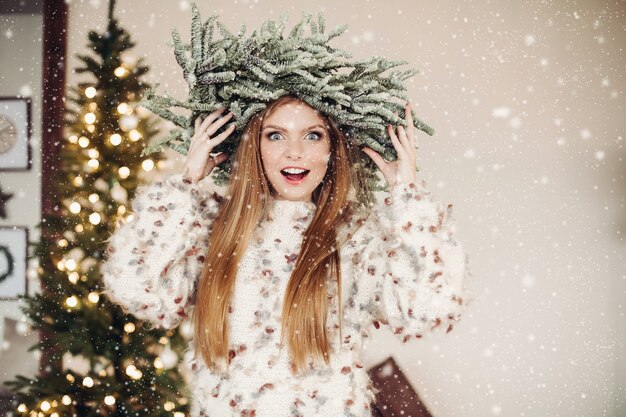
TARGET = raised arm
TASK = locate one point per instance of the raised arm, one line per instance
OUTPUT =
(410, 270)
(154, 260)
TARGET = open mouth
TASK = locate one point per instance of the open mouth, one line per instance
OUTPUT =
(294, 175)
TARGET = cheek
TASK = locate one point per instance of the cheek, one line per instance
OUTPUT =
(269, 155)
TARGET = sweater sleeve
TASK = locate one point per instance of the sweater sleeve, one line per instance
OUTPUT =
(410, 270)
(154, 260)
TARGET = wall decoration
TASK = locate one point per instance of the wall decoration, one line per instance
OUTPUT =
(4, 197)
(13, 262)
(15, 133)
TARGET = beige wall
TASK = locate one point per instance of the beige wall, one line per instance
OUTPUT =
(527, 100)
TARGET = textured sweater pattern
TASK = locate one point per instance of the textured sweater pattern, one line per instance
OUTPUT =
(402, 268)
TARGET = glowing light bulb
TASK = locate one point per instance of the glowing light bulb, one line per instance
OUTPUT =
(94, 218)
(115, 139)
(75, 207)
(93, 197)
(124, 172)
(90, 118)
(71, 301)
(93, 153)
(129, 327)
(93, 297)
(133, 372)
(169, 406)
(73, 277)
(83, 142)
(90, 92)
(93, 163)
(135, 135)
(147, 165)
(78, 181)
(73, 139)
(88, 382)
(109, 400)
(22, 408)
(120, 72)
(79, 228)
(122, 108)
(66, 400)
(45, 406)
(70, 264)
(70, 378)
(61, 265)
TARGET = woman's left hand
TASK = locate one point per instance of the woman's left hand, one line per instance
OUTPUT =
(403, 169)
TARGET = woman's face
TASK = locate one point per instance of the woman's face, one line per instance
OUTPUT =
(295, 138)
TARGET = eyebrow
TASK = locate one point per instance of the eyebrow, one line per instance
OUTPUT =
(283, 130)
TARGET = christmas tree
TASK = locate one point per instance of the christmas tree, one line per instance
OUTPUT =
(99, 361)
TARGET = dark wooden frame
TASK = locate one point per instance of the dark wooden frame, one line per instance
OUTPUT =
(55, 17)
(29, 133)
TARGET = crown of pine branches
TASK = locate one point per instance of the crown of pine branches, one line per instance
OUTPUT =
(244, 74)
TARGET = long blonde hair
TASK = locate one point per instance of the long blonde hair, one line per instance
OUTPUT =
(249, 191)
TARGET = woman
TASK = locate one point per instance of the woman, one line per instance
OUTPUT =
(281, 258)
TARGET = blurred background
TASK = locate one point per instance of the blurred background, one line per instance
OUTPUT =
(527, 102)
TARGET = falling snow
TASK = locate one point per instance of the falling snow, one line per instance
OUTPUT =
(527, 102)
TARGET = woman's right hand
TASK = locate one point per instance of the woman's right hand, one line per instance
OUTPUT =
(199, 163)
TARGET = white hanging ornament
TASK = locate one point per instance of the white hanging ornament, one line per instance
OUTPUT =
(129, 60)
(168, 357)
(186, 329)
(23, 328)
(32, 271)
(87, 264)
(76, 254)
(101, 185)
(119, 193)
(128, 122)
(78, 363)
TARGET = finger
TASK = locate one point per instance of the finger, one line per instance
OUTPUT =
(403, 138)
(220, 158)
(222, 136)
(378, 160)
(410, 128)
(210, 118)
(402, 134)
(396, 142)
(218, 123)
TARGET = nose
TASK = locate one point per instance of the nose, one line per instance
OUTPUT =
(294, 150)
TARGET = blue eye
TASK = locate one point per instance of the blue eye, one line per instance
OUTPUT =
(316, 134)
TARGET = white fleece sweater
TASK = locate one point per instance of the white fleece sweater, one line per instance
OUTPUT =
(401, 268)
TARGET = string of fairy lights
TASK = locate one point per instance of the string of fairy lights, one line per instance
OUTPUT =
(71, 263)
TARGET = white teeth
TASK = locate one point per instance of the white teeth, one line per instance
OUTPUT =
(294, 170)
